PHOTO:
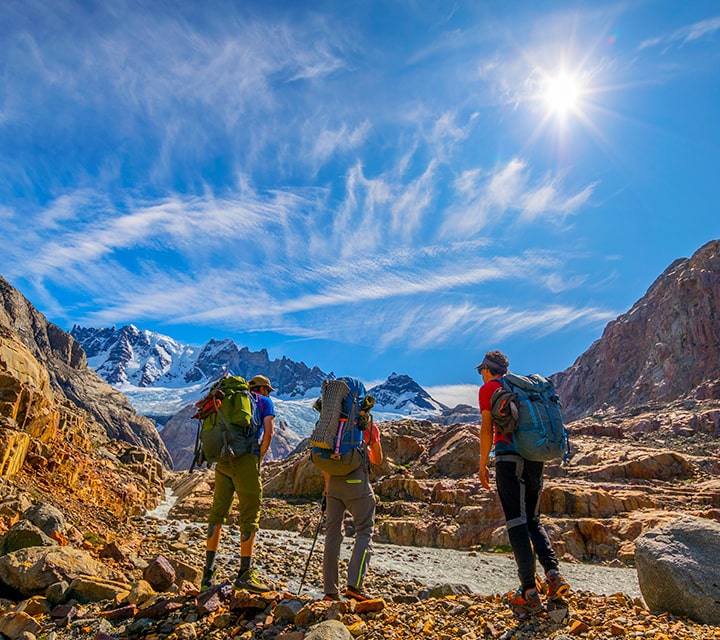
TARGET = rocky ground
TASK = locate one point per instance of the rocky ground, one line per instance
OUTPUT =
(626, 474)
(406, 608)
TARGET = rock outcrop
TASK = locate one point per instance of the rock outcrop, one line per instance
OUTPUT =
(70, 378)
(53, 444)
(665, 348)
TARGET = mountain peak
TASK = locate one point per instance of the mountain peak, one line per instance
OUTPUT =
(400, 393)
(665, 348)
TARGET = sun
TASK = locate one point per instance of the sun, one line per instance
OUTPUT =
(562, 94)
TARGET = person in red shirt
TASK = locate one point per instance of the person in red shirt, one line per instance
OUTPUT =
(519, 484)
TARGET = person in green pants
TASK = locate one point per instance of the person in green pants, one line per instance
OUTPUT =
(240, 474)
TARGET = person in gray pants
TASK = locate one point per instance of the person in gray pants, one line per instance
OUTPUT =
(351, 493)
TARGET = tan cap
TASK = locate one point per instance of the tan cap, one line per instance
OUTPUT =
(260, 381)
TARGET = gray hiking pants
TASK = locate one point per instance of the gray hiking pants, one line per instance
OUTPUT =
(354, 494)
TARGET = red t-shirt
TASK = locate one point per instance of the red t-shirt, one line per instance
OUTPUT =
(501, 442)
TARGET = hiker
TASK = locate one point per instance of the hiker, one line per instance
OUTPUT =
(519, 485)
(240, 474)
(351, 492)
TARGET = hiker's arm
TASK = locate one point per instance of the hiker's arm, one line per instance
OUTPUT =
(268, 430)
(486, 438)
(375, 452)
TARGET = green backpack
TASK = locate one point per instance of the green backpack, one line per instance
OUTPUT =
(226, 414)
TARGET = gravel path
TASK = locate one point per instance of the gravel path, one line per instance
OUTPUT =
(484, 573)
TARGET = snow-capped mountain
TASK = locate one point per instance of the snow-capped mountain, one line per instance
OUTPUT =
(162, 378)
(400, 394)
(129, 356)
(132, 360)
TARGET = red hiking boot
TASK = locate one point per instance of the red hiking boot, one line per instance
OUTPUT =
(524, 604)
(557, 586)
(357, 594)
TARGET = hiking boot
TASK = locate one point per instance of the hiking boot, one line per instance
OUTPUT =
(334, 597)
(357, 594)
(208, 577)
(557, 586)
(251, 582)
(524, 604)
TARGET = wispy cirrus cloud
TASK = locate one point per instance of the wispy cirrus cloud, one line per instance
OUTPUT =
(685, 35)
(253, 175)
(509, 188)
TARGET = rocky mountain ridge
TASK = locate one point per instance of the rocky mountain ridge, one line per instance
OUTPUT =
(61, 451)
(144, 359)
(69, 375)
(401, 394)
(665, 348)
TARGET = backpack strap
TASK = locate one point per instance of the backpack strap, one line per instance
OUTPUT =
(224, 428)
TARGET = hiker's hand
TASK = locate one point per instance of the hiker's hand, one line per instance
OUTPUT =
(323, 504)
(484, 476)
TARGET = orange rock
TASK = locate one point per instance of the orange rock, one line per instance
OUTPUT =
(376, 604)
(578, 627)
(617, 630)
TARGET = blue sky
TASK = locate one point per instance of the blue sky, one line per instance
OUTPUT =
(365, 186)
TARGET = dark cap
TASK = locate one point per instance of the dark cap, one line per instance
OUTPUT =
(495, 361)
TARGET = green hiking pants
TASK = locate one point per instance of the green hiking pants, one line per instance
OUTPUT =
(238, 475)
(354, 494)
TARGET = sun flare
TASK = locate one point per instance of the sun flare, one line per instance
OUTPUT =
(562, 94)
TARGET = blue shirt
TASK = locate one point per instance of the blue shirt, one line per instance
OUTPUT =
(264, 407)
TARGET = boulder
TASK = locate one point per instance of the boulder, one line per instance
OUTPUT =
(46, 517)
(678, 570)
(86, 589)
(160, 574)
(329, 630)
(21, 535)
(17, 625)
(31, 571)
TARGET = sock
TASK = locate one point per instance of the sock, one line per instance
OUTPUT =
(210, 560)
(245, 563)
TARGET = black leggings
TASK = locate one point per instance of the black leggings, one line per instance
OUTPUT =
(519, 484)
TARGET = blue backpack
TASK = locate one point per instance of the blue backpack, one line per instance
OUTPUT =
(336, 443)
(529, 408)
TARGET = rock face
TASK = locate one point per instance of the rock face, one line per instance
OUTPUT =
(25, 330)
(666, 347)
(58, 427)
(678, 570)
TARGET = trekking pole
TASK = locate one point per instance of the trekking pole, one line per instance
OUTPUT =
(198, 449)
(312, 547)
